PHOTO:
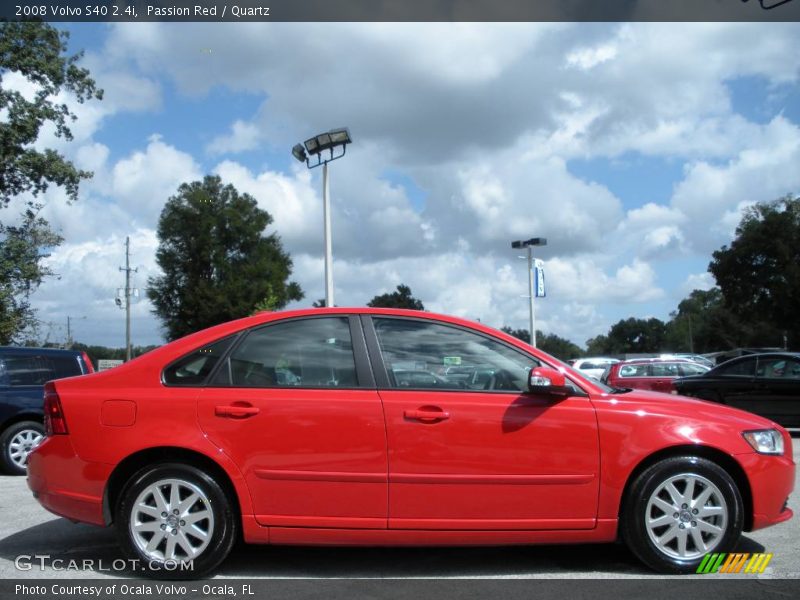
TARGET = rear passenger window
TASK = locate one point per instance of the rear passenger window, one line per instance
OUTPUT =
(665, 370)
(633, 371)
(65, 366)
(27, 370)
(306, 353)
(745, 368)
(194, 368)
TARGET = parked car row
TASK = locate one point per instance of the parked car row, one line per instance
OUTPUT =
(394, 427)
(656, 374)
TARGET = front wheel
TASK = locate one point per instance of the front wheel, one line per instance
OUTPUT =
(680, 509)
(16, 443)
(175, 521)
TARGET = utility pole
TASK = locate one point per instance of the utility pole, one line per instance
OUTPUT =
(69, 335)
(128, 271)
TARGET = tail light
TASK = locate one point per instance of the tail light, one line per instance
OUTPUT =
(88, 362)
(54, 421)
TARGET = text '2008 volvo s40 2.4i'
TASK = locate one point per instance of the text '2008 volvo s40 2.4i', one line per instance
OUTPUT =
(352, 426)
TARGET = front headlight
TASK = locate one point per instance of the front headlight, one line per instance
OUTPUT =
(765, 441)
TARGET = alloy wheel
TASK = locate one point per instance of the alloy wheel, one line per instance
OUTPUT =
(172, 519)
(686, 516)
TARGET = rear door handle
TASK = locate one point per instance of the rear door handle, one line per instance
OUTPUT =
(427, 415)
(236, 411)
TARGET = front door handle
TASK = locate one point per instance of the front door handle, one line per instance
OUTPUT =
(236, 411)
(427, 414)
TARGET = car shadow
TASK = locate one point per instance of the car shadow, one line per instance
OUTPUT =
(94, 550)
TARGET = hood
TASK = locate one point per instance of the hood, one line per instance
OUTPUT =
(671, 405)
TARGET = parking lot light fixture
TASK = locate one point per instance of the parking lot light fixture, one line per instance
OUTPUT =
(529, 244)
(320, 150)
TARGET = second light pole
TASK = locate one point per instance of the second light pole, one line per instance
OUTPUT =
(314, 154)
(529, 244)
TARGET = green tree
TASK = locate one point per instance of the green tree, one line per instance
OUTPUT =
(702, 323)
(402, 298)
(551, 343)
(759, 273)
(630, 336)
(217, 263)
(557, 346)
(520, 334)
(22, 271)
(598, 346)
(36, 50)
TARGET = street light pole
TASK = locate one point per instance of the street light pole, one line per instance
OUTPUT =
(532, 293)
(326, 215)
(320, 150)
(529, 244)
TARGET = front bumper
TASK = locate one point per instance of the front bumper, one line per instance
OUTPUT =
(771, 481)
(66, 485)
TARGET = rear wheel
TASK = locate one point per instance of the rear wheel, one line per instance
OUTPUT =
(16, 443)
(176, 521)
(679, 510)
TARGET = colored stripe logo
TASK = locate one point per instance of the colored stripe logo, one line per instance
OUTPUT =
(735, 562)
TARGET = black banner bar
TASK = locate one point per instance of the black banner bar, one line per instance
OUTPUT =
(400, 10)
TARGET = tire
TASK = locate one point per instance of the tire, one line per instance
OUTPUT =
(202, 533)
(670, 544)
(16, 443)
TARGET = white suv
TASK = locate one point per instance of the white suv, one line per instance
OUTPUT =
(593, 366)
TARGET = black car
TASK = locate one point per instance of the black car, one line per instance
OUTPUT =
(23, 373)
(765, 384)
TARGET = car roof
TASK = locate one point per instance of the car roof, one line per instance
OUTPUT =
(794, 355)
(38, 351)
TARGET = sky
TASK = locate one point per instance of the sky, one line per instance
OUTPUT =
(632, 147)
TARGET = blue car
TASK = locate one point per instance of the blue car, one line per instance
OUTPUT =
(23, 373)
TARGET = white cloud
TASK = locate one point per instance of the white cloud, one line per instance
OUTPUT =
(243, 136)
(143, 181)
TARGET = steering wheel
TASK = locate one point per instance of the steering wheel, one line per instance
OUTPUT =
(500, 380)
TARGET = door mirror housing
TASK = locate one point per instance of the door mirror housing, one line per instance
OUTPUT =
(547, 381)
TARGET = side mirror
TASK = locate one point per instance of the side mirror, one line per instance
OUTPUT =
(544, 380)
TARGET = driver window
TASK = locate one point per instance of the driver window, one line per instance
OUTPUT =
(420, 355)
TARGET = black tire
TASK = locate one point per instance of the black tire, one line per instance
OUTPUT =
(12, 461)
(663, 557)
(212, 498)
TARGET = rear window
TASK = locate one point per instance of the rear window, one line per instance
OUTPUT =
(665, 370)
(746, 368)
(32, 369)
(26, 370)
(194, 368)
(633, 371)
(64, 366)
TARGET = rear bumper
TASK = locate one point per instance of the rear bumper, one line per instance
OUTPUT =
(66, 485)
(771, 482)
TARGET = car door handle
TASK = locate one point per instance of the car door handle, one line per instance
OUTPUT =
(240, 411)
(427, 415)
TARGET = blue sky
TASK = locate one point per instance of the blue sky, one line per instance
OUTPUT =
(632, 147)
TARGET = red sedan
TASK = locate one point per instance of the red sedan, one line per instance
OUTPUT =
(350, 426)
